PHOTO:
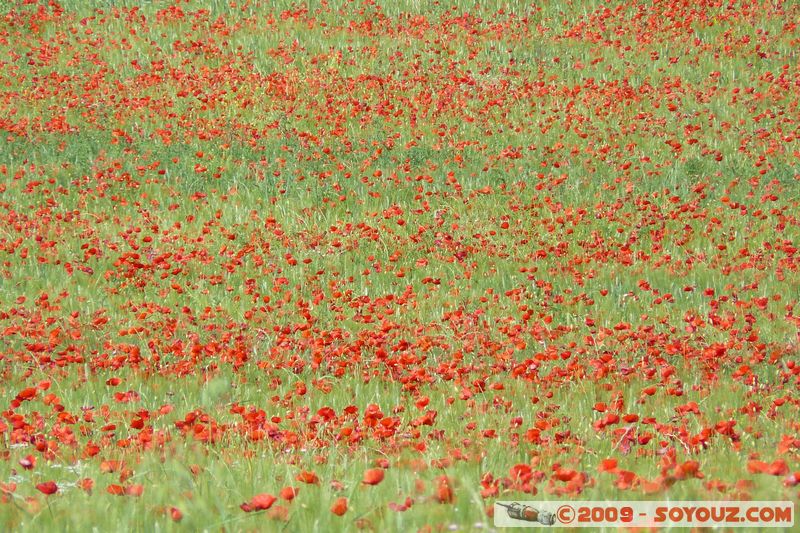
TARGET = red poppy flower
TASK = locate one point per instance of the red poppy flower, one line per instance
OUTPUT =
(48, 487)
(259, 502)
(373, 476)
(339, 506)
(288, 493)
(306, 476)
(175, 514)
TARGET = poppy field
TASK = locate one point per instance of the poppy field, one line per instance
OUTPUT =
(373, 265)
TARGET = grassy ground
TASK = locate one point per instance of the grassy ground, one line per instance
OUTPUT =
(498, 252)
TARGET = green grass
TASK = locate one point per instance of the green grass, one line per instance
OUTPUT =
(229, 207)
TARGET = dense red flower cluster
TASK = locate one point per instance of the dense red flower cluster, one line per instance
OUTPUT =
(566, 241)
